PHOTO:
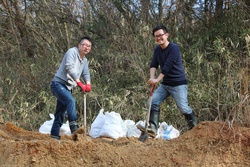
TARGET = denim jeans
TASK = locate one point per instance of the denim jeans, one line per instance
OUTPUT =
(179, 94)
(65, 104)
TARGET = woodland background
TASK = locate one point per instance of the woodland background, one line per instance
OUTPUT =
(214, 37)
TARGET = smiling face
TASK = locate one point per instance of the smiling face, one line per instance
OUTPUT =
(161, 37)
(84, 47)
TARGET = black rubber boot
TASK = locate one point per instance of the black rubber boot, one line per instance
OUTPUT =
(191, 120)
(153, 124)
(73, 126)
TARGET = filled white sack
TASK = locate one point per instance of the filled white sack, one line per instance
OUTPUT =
(45, 128)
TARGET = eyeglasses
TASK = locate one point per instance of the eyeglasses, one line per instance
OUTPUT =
(160, 35)
(86, 45)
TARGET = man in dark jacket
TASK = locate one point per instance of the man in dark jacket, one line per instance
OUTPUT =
(174, 82)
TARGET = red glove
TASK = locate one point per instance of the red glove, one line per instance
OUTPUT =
(88, 88)
(82, 86)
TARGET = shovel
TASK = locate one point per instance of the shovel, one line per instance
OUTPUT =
(144, 135)
(84, 113)
(81, 130)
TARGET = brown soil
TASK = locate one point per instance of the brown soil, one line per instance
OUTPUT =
(209, 144)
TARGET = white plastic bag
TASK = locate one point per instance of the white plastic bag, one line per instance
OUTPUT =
(47, 125)
(114, 126)
(167, 132)
(132, 130)
(97, 125)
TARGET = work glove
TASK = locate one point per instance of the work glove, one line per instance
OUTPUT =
(88, 88)
(82, 86)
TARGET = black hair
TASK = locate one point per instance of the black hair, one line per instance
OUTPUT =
(87, 38)
(160, 27)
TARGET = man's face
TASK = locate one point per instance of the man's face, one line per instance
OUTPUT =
(85, 46)
(160, 37)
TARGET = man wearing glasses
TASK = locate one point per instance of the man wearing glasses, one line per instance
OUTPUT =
(73, 67)
(172, 77)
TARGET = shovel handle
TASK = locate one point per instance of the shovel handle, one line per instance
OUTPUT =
(84, 113)
(152, 89)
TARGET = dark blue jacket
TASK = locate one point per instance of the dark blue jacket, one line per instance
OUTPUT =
(170, 62)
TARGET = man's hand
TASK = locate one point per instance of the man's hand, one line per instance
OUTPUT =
(152, 81)
(82, 86)
(88, 88)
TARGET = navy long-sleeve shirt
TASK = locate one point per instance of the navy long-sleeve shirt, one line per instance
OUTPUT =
(170, 62)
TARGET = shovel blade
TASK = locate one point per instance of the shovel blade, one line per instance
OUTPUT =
(144, 136)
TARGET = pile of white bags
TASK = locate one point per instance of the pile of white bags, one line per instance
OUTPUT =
(110, 124)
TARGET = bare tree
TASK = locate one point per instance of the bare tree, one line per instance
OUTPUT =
(19, 23)
(218, 9)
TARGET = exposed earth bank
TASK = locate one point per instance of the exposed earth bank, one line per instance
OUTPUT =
(209, 144)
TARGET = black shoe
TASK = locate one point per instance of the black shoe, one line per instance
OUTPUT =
(55, 137)
(73, 126)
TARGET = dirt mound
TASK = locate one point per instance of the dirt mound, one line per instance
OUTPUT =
(208, 144)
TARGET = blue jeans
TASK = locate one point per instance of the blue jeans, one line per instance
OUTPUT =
(65, 104)
(179, 94)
